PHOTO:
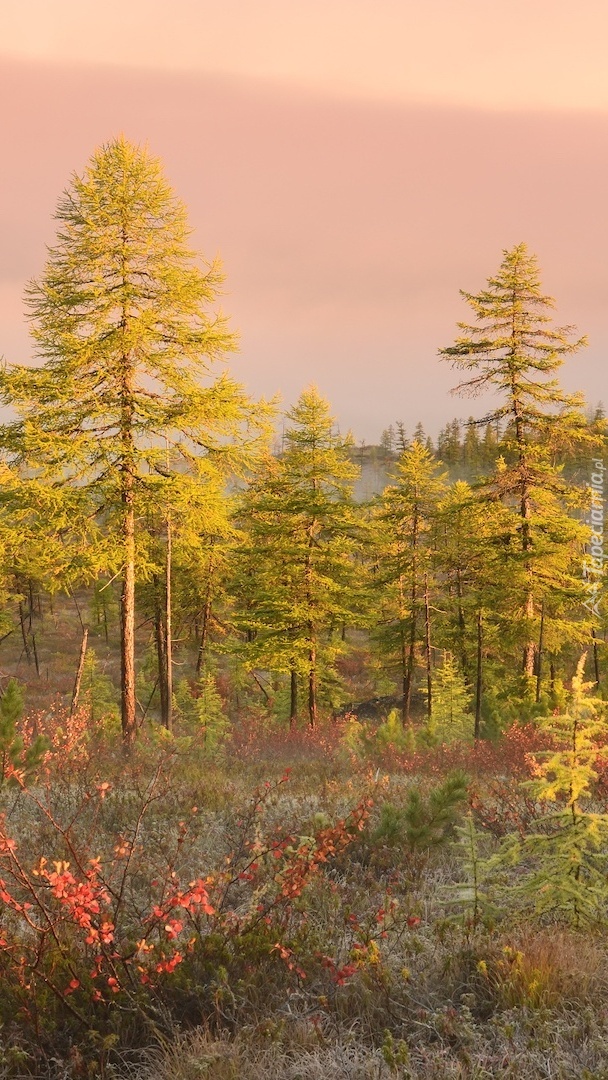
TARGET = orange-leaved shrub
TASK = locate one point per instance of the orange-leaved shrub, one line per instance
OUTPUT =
(121, 914)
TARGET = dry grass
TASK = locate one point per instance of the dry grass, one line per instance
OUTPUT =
(522, 1046)
(201, 1057)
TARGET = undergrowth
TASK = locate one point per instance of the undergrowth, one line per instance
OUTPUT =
(281, 906)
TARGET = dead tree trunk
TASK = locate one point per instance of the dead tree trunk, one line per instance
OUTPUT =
(79, 671)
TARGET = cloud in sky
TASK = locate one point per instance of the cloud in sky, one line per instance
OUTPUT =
(549, 53)
(346, 225)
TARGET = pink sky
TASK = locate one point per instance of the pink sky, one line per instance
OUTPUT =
(354, 163)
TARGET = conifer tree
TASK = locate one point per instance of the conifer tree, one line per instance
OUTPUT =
(297, 577)
(471, 447)
(49, 543)
(451, 718)
(513, 350)
(387, 441)
(401, 442)
(489, 447)
(120, 318)
(565, 861)
(406, 512)
(17, 762)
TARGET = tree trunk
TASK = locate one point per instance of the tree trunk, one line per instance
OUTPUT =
(427, 641)
(79, 671)
(202, 644)
(127, 616)
(525, 510)
(404, 682)
(596, 662)
(30, 592)
(260, 685)
(479, 687)
(35, 652)
(28, 655)
(161, 652)
(526, 542)
(168, 719)
(462, 629)
(539, 657)
(529, 658)
(409, 670)
(312, 649)
(105, 621)
(312, 685)
(552, 675)
(293, 698)
(127, 596)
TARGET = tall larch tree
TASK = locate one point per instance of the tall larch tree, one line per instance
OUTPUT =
(512, 350)
(121, 320)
